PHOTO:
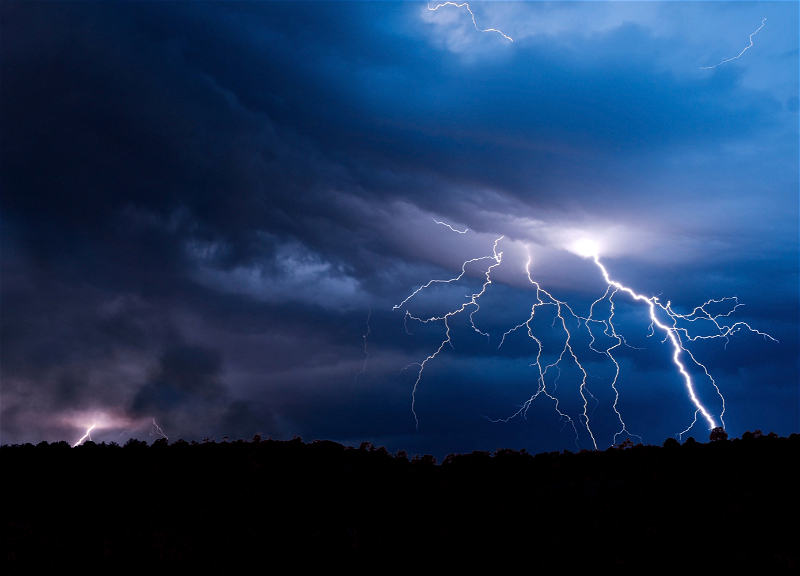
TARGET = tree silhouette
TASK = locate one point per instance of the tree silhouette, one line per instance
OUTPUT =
(718, 434)
(671, 443)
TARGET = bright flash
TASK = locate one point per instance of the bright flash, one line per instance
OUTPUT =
(585, 248)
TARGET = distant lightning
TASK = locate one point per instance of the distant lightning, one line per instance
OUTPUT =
(464, 4)
(157, 429)
(464, 231)
(740, 53)
(112, 421)
(366, 354)
(85, 436)
(672, 325)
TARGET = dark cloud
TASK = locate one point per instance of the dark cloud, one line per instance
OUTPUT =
(186, 373)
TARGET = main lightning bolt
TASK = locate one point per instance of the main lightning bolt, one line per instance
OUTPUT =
(462, 5)
(745, 49)
(673, 332)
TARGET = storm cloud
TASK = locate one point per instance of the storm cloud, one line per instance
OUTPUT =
(204, 202)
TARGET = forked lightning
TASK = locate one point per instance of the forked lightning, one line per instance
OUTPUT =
(662, 317)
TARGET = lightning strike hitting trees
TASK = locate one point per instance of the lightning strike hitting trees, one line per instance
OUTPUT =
(85, 436)
(672, 326)
(465, 5)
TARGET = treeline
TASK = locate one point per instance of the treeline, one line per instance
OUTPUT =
(220, 506)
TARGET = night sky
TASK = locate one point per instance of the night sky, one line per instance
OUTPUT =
(210, 211)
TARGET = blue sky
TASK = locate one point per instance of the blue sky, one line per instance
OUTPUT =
(203, 203)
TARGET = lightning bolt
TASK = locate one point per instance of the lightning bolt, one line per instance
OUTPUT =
(672, 325)
(157, 429)
(611, 332)
(366, 354)
(464, 231)
(472, 302)
(462, 5)
(85, 436)
(745, 49)
(673, 332)
(566, 350)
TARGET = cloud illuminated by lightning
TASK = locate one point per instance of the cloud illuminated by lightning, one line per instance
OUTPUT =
(462, 5)
(740, 53)
(674, 327)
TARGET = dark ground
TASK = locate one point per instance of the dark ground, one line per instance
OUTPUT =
(211, 507)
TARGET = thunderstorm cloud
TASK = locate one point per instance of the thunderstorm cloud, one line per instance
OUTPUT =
(203, 203)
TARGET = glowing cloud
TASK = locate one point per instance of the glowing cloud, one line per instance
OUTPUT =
(585, 247)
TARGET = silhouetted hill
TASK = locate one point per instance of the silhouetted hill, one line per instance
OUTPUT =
(220, 507)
